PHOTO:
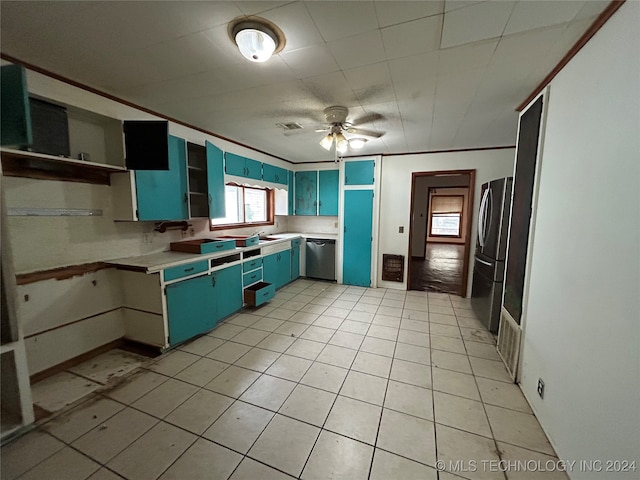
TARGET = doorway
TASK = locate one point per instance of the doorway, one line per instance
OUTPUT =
(440, 231)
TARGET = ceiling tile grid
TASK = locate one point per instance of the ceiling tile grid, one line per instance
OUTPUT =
(432, 74)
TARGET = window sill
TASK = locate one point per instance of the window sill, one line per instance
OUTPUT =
(231, 226)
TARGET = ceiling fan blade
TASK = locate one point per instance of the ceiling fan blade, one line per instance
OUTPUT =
(371, 117)
(366, 133)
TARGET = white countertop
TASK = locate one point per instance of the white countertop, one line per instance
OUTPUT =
(155, 262)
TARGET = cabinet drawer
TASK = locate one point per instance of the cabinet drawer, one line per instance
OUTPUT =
(252, 264)
(296, 242)
(259, 293)
(185, 270)
(252, 277)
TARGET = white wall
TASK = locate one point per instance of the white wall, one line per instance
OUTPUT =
(395, 194)
(582, 321)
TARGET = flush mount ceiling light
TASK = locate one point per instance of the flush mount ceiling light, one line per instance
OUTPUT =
(357, 143)
(256, 38)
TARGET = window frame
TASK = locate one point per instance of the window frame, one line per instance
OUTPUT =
(270, 207)
(460, 221)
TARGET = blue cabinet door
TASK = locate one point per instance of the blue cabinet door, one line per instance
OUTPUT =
(227, 286)
(162, 194)
(306, 193)
(188, 309)
(234, 164)
(295, 262)
(358, 216)
(290, 193)
(358, 172)
(270, 268)
(328, 192)
(215, 181)
(284, 268)
(274, 174)
(242, 166)
(15, 115)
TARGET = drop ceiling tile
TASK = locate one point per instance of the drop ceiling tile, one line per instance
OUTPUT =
(412, 38)
(310, 61)
(296, 23)
(414, 67)
(359, 50)
(466, 57)
(450, 5)
(331, 89)
(395, 12)
(528, 44)
(592, 9)
(254, 8)
(532, 15)
(368, 75)
(205, 15)
(337, 20)
(375, 94)
(476, 22)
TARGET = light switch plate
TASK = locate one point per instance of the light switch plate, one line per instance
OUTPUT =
(400, 229)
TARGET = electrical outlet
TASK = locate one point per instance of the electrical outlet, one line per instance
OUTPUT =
(335, 224)
(540, 388)
(192, 232)
(400, 229)
(183, 233)
(147, 238)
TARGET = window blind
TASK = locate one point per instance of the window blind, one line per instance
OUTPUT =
(446, 204)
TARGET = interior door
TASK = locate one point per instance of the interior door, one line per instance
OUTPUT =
(358, 225)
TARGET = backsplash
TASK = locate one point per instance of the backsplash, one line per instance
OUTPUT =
(310, 224)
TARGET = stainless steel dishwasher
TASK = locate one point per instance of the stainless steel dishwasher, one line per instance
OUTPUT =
(321, 258)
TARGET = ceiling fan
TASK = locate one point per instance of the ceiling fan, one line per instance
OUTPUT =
(337, 126)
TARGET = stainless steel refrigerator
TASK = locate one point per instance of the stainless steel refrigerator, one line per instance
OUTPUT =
(491, 247)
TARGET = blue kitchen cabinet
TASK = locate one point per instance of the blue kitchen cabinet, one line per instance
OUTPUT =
(306, 193)
(189, 308)
(215, 181)
(15, 129)
(359, 172)
(227, 292)
(295, 258)
(242, 166)
(357, 239)
(162, 194)
(276, 268)
(328, 192)
(290, 194)
(274, 174)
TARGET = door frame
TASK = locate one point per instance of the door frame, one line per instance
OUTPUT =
(468, 221)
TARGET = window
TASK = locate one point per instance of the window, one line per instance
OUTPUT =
(245, 206)
(446, 215)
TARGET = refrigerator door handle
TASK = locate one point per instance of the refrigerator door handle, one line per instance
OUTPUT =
(488, 213)
(488, 264)
(482, 218)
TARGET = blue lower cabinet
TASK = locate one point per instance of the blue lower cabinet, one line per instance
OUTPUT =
(227, 292)
(252, 277)
(277, 268)
(295, 259)
(188, 310)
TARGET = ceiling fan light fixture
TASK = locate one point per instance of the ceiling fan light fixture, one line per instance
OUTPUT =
(256, 38)
(326, 142)
(342, 146)
(357, 143)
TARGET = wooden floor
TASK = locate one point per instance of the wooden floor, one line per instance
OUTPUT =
(440, 270)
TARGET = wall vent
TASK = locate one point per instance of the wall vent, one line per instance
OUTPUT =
(509, 343)
(393, 268)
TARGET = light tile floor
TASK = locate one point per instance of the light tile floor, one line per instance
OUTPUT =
(326, 381)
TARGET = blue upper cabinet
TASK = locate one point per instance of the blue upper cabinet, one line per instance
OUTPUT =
(162, 194)
(274, 174)
(290, 194)
(15, 116)
(328, 192)
(215, 181)
(242, 167)
(306, 185)
(358, 172)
